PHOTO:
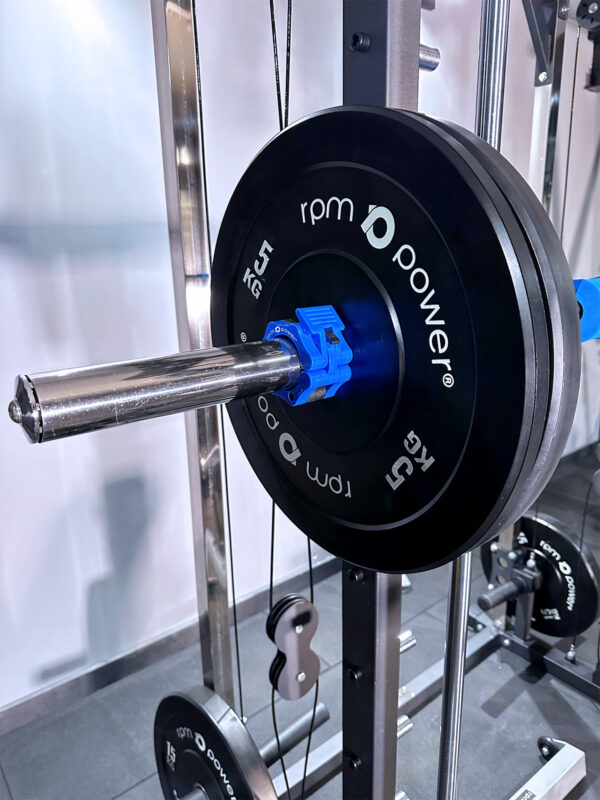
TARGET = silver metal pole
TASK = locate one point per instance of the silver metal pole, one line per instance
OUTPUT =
(53, 405)
(493, 45)
(454, 676)
(429, 58)
(403, 53)
(174, 27)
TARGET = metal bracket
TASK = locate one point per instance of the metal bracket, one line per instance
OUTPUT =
(563, 770)
(541, 19)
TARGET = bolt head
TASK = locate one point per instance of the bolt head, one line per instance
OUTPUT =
(490, 587)
(354, 673)
(545, 750)
(301, 677)
(494, 547)
(14, 412)
(299, 629)
(592, 8)
(356, 575)
(512, 556)
(360, 42)
(505, 642)
(543, 77)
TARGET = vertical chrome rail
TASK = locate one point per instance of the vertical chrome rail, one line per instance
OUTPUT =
(493, 45)
(178, 78)
(454, 676)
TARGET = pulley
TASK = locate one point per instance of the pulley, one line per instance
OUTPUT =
(443, 388)
(567, 597)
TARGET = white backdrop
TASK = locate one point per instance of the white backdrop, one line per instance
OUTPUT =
(96, 552)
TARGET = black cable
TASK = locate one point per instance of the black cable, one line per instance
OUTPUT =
(276, 62)
(310, 733)
(314, 710)
(310, 571)
(272, 555)
(273, 714)
(276, 729)
(288, 54)
(564, 208)
(598, 641)
(231, 569)
(283, 112)
(581, 539)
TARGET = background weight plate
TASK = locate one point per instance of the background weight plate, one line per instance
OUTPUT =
(560, 302)
(568, 601)
(340, 468)
(199, 741)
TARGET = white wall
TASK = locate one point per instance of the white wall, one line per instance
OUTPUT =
(96, 549)
(95, 552)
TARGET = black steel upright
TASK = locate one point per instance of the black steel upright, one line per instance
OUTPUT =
(381, 68)
(371, 627)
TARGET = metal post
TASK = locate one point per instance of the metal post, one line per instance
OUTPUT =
(371, 604)
(381, 68)
(493, 45)
(178, 77)
(545, 123)
(454, 676)
(382, 53)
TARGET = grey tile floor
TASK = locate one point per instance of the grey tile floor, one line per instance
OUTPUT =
(101, 747)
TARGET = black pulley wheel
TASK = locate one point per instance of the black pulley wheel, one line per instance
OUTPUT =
(204, 750)
(428, 448)
(567, 603)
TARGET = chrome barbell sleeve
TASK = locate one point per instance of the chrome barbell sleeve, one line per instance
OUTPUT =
(54, 405)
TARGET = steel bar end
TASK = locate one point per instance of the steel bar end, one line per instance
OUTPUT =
(24, 409)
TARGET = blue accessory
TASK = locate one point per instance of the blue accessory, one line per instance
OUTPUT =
(588, 296)
(324, 353)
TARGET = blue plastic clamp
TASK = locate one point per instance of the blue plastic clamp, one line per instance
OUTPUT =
(588, 296)
(324, 353)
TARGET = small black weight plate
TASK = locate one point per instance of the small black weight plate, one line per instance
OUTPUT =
(561, 305)
(414, 460)
(568, 601)
(201, 743)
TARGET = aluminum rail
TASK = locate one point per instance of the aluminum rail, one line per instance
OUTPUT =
(53, 405)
